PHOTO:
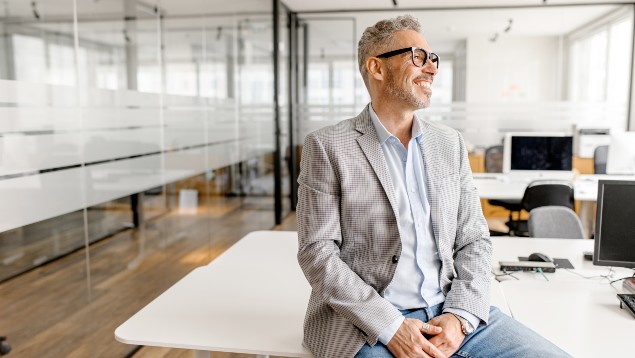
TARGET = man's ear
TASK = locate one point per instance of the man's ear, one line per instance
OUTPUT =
(375, 68)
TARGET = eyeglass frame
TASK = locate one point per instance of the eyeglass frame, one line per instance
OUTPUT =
(412, 53)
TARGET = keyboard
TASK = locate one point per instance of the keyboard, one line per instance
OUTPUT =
(628, 301)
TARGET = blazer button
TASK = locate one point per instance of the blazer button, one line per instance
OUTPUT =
(395, 259)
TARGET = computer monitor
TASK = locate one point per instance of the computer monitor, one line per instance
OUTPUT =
(536, 151)
(621, 156)
(615, 224)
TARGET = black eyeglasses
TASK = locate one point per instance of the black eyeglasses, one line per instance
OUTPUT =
(419, 56)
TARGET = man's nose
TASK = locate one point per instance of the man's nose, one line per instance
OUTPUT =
(430, 68)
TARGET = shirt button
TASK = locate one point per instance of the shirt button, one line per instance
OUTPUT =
(395, 259)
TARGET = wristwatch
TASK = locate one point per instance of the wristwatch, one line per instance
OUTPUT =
(466, 326)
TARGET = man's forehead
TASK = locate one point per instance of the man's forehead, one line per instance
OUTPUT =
(408, 38)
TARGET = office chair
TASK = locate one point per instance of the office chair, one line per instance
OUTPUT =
(600, 155)
(5, 348)
(494, 164)
(494, 159)
(556, 222)
(542, 193)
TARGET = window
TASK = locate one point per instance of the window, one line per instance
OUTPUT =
(599, 63)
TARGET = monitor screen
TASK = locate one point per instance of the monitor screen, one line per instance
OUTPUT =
(541, 153)
(615, 224)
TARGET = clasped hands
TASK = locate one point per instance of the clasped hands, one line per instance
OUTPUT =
(409, 341)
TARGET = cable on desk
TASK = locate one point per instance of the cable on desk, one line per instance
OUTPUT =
(542, 273)
(620, 279)
(607, 276)
(505, 273)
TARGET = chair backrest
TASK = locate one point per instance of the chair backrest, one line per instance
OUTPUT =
(556, 222)
(548, 193)
(600, 155)
(494, 159)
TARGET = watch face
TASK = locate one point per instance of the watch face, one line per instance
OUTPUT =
(468, 330)
(466, 326)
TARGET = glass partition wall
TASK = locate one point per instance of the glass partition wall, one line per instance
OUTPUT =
(137, 143)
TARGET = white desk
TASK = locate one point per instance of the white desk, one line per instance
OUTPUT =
(251, 299)
(510, 248)
(580, 315)
(512, 187)
(500, 186)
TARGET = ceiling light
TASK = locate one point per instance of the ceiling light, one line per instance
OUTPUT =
(36, 14)
(509, 25)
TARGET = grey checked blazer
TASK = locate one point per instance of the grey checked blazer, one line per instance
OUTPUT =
(349, 235)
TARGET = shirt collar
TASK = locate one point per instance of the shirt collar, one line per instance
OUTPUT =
(383, 134)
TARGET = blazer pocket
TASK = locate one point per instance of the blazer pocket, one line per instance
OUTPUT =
(371, 260)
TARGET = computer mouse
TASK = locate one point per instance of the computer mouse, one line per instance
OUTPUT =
(537, 256)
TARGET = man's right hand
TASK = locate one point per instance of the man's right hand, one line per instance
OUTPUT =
(409, 342)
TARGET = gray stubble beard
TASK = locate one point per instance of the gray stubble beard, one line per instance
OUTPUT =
(395, 91)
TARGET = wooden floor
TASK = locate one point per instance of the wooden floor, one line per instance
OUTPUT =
(59, 310)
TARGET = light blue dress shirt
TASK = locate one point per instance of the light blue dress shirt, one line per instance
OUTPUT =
(416, 280)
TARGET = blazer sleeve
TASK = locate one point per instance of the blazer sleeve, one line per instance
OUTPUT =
(472, 249)
(320, 243)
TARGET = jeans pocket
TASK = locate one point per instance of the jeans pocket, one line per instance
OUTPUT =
(461, 354)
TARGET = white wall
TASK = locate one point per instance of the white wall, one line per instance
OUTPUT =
(512, 69)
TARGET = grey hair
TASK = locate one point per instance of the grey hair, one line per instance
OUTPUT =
(378, 37)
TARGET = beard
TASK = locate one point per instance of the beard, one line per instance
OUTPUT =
(402, 93)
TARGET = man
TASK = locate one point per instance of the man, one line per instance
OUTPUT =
(392, 238)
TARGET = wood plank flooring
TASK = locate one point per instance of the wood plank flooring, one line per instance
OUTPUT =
(58, 310)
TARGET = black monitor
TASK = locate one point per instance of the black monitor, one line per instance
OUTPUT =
(615, 224)
(539, 151)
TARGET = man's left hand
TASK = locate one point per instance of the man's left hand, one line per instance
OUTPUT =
(449, 340)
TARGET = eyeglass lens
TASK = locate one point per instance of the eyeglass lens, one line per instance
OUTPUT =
(419, 58)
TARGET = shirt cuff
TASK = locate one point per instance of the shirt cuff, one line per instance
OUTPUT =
(386, 335)
(474, 321)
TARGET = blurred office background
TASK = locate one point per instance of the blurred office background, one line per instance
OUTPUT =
(140, 139)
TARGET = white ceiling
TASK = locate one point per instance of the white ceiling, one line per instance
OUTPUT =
(49, 8)
(347, 5)
(443, 28)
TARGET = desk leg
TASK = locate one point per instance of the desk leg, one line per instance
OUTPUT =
(586, 214)
(202, 354)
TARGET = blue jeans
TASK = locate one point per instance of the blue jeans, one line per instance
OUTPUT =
(502, 337)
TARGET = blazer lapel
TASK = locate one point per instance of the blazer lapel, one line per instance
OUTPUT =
(427, 146)
(369, 142)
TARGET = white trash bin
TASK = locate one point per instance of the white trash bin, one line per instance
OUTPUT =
(188, 201)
